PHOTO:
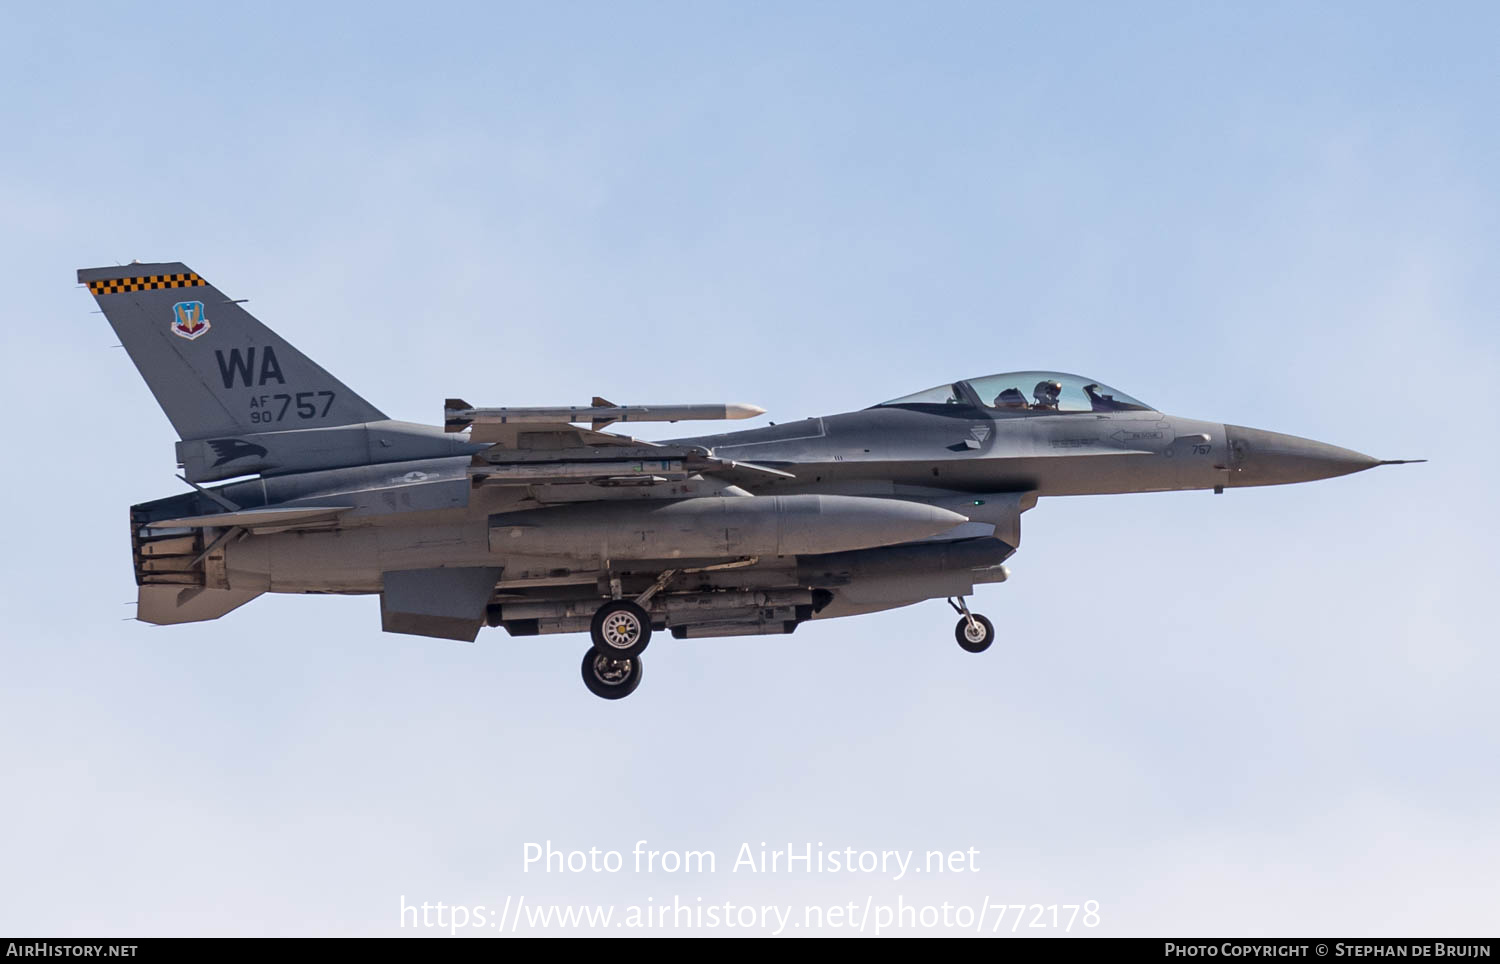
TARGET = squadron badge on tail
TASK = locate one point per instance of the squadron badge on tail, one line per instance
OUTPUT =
(187, 319)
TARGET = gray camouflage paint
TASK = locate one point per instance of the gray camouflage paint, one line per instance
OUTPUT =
(843, 514)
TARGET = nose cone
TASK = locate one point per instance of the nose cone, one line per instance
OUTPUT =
(1270, 458)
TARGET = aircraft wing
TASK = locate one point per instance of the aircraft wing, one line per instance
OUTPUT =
(529, 435)
(532, 427)
(614, 465)
(549, 447)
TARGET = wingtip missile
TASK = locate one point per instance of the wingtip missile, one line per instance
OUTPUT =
(459, 415)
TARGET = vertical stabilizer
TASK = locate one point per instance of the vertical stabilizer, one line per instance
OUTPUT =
(214, 369)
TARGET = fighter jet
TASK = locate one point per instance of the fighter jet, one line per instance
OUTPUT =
(539, 521)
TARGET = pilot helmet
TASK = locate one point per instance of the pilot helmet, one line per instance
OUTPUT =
(1047, 392)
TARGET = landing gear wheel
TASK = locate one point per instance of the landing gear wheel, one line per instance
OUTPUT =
(975, 638)
(610, 678)
(621, 629)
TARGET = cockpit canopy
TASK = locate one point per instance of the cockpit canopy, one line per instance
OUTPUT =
(1027, 392)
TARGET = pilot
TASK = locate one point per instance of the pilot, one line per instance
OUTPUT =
(1010, 398)
(1046, 394)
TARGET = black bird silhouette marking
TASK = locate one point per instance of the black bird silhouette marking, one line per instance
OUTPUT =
(229, 449)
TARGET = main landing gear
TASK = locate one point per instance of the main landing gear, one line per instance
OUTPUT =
(621, 631)
(973, 632)
(608, 677)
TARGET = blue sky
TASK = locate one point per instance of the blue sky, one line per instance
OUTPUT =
(1268, 712)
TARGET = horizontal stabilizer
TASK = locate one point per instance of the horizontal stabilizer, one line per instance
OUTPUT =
(167, 605)
(278, 518)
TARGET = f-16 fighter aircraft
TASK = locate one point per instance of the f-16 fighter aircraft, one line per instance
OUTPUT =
(539, 521)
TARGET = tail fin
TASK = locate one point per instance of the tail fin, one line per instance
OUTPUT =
(213, 368)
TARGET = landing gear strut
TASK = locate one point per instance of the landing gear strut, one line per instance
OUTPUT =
(973, 632)
(610, 678)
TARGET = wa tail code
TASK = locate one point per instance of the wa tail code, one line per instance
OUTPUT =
(235, 365)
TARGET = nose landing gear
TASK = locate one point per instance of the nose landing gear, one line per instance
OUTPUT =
(973, 632)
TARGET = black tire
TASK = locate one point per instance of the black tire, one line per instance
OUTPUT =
(610, 679)
(966, 640)
(621, 629)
